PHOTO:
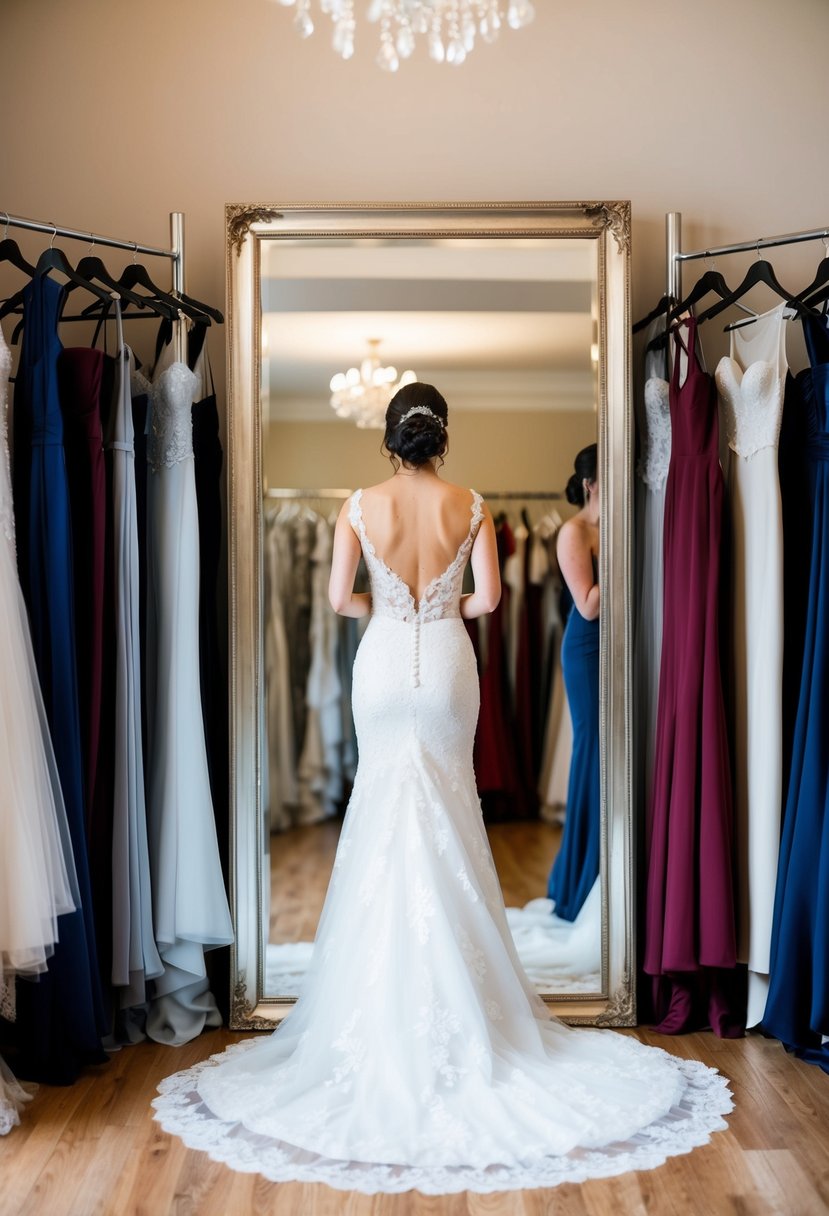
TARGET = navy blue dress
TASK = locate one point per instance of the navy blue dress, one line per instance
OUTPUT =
(576, 867)
(797, 1010)
(61, 1017)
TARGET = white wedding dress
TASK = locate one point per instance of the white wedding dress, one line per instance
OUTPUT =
(419, 1055)
(38, 882)
(751, 381)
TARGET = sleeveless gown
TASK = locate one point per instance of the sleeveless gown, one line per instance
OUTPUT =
(419, 1055)
(797, 1010)
(751, 382)
(576, 867)
(690, 944)
(62, 1018)
(189, 902)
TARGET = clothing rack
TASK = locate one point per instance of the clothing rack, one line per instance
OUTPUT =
(175, 253)
(523, 495)
(676, 256)
(500, 496)
(280, 493)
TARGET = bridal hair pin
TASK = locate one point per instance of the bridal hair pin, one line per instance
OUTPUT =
(420, 409)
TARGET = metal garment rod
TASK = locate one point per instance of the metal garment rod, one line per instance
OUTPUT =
(175, 253)
(75, 234)
(675, 256)
(308, 493)
(521, 496)
(501, 496)
(763, 242)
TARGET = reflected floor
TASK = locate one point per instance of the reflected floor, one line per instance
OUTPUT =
(557, 956)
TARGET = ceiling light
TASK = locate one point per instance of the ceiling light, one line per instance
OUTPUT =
(450, 28)
(362, 394)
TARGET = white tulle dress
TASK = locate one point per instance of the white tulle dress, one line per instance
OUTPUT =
(37, 870)
(419, 1055)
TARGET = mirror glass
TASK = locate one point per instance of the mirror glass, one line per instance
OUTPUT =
(507, 329)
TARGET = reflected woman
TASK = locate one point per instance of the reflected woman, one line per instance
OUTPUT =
(577, 865)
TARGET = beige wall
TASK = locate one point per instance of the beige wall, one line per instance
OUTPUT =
(116, 113)
(530, 451)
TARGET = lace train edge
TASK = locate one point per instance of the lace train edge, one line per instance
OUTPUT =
(689, 1125)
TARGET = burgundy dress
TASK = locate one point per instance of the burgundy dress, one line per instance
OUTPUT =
(690, 943)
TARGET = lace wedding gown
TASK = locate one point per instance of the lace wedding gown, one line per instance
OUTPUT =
(419, 1055)
(38, 882)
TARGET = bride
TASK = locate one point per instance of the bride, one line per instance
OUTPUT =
(419, 1055)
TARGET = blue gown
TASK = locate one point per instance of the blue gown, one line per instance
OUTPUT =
(61, 1017)
(576, 867)
(797, 1010)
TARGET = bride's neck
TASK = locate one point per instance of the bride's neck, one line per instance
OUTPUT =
(421, 471)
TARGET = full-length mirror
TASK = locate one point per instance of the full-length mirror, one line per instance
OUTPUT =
(518, 316)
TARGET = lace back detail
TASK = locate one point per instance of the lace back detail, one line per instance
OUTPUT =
(655, 457)
(391, 596)
(171, 433)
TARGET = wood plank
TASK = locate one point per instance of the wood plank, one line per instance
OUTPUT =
(94, 1149)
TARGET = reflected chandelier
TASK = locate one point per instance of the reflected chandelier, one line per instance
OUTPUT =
(362, 394)
(449, 26)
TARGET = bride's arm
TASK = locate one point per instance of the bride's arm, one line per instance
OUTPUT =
(485, 571)
(344, 562)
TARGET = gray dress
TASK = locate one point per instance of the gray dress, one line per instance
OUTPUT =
(135, 958)
(190, 905)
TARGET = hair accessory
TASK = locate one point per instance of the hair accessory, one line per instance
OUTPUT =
(420, 409)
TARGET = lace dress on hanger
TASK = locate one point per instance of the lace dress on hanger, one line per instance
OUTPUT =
(419, 1055)
(652, 475)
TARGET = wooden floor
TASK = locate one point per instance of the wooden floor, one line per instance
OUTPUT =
(302, 859)
(93, 1148)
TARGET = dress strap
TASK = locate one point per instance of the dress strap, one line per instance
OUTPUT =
(816, 334)
(690, 350)
(355, 513)
(477, 512)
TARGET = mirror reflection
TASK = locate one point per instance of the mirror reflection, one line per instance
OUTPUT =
(506, 329)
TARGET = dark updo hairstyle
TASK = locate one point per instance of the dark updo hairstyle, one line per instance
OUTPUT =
(421, 437)
(585, 466)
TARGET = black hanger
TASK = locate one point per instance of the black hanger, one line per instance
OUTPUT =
(657, 311)
(205, 308)
(137, 275)
(54, 259)
(820, 280)
(760, 271)
(91, 267)
(10, 252)
(712, 280)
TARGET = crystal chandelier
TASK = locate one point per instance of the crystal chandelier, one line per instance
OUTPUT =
(362, 394)
(450, 27)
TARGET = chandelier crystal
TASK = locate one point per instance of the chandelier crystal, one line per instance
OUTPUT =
(450, 27)
(362, 395)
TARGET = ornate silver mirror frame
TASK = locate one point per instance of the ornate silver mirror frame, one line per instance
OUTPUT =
(248, 226)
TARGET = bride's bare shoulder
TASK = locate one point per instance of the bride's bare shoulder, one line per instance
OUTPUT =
(392, 486)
